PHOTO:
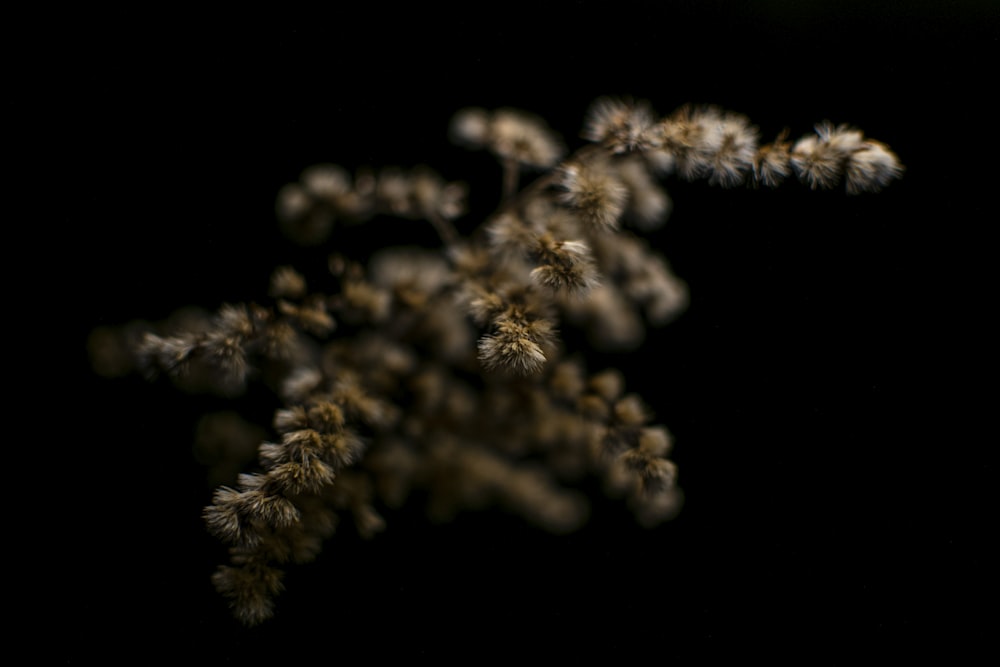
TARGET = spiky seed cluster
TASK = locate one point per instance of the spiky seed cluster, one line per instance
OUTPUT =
(723, 147)
(772, 163)
(565, 266)
(731, 146)
(710, 143)
(287, 283)
(517, 344)
(594, 190)
(272, 516)
(251, 589)
(630, 453)
(238, 516)
(833, 153)
(213, 355)
(420, 193)
(510, 134)
(307, 210)
(621, 125)
(647, 281)
(377, 378)
(871, 168)
(511, 235)
(647, 459)
(648, 203)
(413, 276)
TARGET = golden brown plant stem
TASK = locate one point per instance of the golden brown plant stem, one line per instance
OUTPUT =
(511, 170)
(444, 228)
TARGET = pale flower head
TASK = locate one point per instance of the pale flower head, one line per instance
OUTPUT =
(621, 125)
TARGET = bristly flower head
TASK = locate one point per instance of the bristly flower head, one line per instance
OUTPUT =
(834, 152)
(525, 138)
(511, 134)
(648, 203)
(566, 267)
(594, 190)
(470, 127)
(517, 345)
(872, 167)
(621, 125)
(771, 165)
(732, 144)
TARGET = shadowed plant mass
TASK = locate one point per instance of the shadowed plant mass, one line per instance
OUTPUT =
(461, 371)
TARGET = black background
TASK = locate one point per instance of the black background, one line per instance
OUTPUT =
(837, 508)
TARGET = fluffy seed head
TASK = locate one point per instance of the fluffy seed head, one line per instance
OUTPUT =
(250, 590)
(470, 127)
(287, 283)
(622, 125)
(516, 345)
(648, 205)
(820, 160)
(731, 145)
(595, 192)
(525, 138)
(871, 168)
(567, 266)
(771, 165)
(326, 181)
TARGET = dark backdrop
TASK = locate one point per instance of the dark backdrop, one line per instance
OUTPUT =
(834, 506)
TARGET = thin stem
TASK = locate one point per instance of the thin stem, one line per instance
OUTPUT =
(513, 200)
(444, 228)
(511, 171)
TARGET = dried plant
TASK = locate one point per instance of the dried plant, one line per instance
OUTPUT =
(446, 371)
